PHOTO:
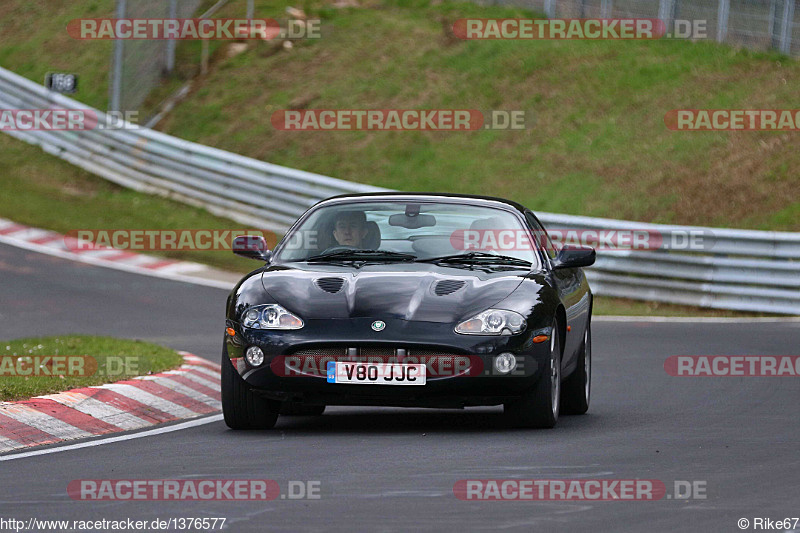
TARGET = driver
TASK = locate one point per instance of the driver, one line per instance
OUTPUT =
(350, 228)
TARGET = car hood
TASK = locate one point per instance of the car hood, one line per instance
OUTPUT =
(406, 291)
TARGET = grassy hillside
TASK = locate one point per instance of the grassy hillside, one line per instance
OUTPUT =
(598, 146)
(34, 41)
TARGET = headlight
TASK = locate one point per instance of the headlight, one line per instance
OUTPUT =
(271, 316)
(493, 322)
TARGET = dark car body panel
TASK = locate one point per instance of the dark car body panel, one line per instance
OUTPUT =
(402, 295)
(395, 290)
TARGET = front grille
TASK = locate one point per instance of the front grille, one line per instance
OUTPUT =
(447, 360)
(380, 351)
(369, 350)
(331, 351)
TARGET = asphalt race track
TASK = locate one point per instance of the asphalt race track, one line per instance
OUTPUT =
(394, 469)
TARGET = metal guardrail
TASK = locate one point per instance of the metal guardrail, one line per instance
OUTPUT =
(231, 185)
(737, 269)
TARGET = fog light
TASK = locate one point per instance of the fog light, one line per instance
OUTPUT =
(505, 363)
(254, 356)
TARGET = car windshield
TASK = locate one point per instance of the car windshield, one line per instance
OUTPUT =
(408, 231)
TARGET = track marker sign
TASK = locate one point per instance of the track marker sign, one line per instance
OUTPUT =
(61, 83)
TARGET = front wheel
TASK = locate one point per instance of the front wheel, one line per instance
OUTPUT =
(241, 407)
(577, 388)
(539, 407)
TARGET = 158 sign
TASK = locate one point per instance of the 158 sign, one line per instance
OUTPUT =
(61, 83)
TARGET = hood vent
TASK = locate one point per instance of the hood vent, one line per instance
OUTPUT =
(331, 285)
(447, 286)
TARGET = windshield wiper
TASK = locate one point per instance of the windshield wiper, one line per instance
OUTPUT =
(362, 255)
(477, 257)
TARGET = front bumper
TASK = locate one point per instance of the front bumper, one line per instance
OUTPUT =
(451, 385)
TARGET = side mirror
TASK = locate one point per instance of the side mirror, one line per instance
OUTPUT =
(574, 257)
(252, 247)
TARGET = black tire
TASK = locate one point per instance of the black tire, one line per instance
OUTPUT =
(298, 409)
(241, 408)
(576, 390)
(539, 408)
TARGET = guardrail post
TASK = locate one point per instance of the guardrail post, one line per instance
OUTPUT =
(170, 62)
(786, 26)
(722, 19)
(773, 11)
(605, 9)
(550, 8)
(665, 10)
(115, 98)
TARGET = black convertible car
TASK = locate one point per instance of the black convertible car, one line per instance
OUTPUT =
(417, 300)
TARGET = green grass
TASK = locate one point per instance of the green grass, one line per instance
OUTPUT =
(34, 41)
(110, 360)
(598, 146)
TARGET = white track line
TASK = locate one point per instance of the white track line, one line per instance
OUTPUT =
(102, 411)
(109, 440)
(180, 267)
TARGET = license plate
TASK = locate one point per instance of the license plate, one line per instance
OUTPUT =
(376, 373)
